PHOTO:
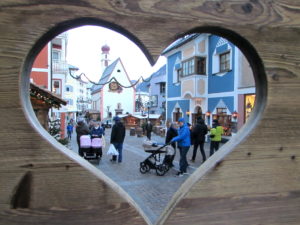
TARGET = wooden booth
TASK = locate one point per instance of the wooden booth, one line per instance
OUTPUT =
(42, 101)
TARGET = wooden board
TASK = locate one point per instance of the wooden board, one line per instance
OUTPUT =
(253, 180)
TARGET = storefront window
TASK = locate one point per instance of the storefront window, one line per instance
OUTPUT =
(249, 105)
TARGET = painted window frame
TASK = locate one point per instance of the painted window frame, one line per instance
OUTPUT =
(154, 100)
(59, 92)
(195, 65)
(162, 87)
(224, 62)
(176, 75)
(57, 53)
(216, 63)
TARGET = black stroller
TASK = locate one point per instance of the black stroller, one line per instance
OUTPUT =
(155, 160)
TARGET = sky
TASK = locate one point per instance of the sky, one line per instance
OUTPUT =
(84, 52)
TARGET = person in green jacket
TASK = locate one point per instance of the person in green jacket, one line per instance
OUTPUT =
(215, 137)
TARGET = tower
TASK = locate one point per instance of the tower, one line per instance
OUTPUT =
(105, 52)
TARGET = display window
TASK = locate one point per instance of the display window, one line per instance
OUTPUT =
(249, 105)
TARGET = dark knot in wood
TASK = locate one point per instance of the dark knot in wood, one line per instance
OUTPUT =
(247, 8)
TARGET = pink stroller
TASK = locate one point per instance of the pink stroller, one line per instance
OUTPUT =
(91, 148)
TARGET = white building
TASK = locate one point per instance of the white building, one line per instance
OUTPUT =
(77, 94)
(112, 99)
(60, 71)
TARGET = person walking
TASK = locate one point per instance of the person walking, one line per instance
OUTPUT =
(171, 133)
(70, 130)
(215, 137)
(117, 138)
(81, 129)
(184, 142)
(198, 133)
(148, 129)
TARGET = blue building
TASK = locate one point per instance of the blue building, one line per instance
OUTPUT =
(208, 77)
(152, 93)
(157, 92)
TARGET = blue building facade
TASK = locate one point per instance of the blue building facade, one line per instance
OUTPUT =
(157, 92)
(208, 77)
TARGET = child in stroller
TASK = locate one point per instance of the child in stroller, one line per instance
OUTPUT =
(155, 161)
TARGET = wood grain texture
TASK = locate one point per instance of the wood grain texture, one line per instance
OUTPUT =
(253, 180)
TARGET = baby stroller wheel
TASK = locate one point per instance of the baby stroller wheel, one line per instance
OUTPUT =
(161, 169)
(144, 168)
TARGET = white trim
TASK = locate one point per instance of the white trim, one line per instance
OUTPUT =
(221, 104)
(176, 106)
(175, 77)
(49, 63)
(176, 99)
(221, 41)
(221, 94)
(40, 70)
(251, 90)
(187, 93)
(236, 76)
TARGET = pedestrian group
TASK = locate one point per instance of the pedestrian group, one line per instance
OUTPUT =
(185, 135)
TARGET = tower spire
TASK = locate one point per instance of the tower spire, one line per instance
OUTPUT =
(105, 52)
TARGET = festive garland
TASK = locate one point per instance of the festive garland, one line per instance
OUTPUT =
(111, 79)
(47, 100)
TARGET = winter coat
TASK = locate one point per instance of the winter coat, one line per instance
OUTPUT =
(148, 127)
(199, 131)
(97, 132)
(184, 137)
(70, 128)
(216, 133)
(171, 133)
(82, 129)
(117, 133)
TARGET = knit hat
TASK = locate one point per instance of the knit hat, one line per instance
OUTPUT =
(181, 120)
(116, 118)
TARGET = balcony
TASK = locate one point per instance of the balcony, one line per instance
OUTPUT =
(60, 66)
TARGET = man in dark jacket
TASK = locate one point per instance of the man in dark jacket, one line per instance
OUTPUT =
(117, 138)
(148, 129)
(198, 133)
(81, 129)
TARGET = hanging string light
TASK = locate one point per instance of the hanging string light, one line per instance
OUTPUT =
(113, 79)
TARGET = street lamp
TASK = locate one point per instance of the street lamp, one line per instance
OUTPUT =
(235, 114)
(208, 113)
(148, 106)
(72, 70)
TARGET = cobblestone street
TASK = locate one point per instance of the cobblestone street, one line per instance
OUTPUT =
(150, 191)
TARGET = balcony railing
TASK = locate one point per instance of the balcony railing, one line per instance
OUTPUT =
(60, 66)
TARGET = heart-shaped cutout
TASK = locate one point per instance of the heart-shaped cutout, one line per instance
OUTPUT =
(215, 60)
